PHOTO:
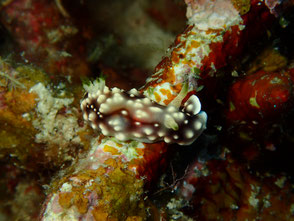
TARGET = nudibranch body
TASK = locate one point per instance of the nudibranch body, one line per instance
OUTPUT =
(131, 116)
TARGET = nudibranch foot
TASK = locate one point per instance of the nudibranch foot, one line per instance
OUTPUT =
(131, 116)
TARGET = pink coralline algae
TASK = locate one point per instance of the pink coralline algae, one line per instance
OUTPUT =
(226, 188)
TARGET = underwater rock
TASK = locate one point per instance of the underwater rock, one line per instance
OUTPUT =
(45, 35)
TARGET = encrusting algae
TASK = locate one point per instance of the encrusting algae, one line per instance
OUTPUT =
(111, 191)
(34, 122)
(16, 105)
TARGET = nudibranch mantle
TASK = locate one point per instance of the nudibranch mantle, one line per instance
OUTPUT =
(132, 116)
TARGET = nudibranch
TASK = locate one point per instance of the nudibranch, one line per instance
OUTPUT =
(132, 116)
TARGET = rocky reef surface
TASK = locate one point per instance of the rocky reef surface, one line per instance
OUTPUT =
(146, 110)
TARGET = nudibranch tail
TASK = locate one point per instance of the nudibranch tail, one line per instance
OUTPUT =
(131, 116)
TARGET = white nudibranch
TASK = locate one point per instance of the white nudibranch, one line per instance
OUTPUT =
(131, 116)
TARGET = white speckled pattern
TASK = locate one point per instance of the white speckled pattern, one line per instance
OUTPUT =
(131, 116)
